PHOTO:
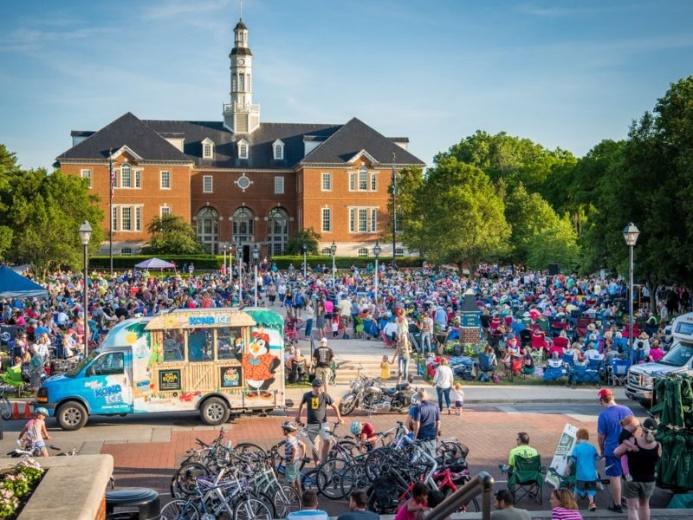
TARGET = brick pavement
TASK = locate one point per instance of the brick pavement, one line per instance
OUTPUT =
(488, 433)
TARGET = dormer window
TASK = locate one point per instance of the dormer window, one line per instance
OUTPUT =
(207, 148)
(242, 149)
(278, 149)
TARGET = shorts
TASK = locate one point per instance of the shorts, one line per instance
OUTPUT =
(586, 488)
(292, 471)
(313, 430)
(632, 489)
(459, 404)
(38, 445)
(612, 466)
(324, 373)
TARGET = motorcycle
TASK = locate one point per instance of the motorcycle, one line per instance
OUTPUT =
(372, 397)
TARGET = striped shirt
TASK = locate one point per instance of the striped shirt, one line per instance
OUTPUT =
(290, 448)
(561, 513)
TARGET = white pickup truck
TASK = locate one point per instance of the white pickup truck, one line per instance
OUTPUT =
(679, 359)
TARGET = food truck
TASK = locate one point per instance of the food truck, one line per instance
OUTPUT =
(212, 361)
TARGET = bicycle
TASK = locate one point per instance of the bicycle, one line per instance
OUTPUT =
(5, 405)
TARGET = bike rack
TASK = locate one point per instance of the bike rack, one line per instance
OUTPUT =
(482, 483)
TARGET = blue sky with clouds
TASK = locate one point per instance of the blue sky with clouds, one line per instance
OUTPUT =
(562, 73)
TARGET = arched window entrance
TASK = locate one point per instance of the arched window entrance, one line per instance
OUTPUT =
(243, 225)
(277, 230)
(208, 229)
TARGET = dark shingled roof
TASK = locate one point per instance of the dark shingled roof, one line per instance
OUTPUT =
(353, 137)
(338, 143)
(126, 130)
(260, 142)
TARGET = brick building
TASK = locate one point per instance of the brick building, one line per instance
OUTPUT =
(242, 179)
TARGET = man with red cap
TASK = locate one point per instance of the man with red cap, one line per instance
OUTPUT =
(609, 429)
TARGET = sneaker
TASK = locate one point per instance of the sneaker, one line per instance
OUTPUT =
(616, 508)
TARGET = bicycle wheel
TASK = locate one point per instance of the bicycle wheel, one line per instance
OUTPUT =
(250, 448)
(329, 478)
(286, 500)
(5, 408)
(184, 481)
(309, 480)
(252, 509)
(353, 477)
(344, 449)
(179, 510)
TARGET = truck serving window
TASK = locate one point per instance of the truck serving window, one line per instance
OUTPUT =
(173, 345)
(229, 343)
(200, 345)
(108, 364)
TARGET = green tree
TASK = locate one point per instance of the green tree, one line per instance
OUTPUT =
(513, 159)
(539, 235)
(44, 212)
(306, 236)
(170, 234)
(410, 216)
(462, 215)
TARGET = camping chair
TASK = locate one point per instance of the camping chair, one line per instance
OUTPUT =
(526, 479)
(359, 327)
(583, 375)
(12, 378)
(617, 372)
(485, 367)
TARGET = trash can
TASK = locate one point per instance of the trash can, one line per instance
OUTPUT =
(132, 504)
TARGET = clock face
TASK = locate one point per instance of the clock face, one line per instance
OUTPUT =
(241, 61)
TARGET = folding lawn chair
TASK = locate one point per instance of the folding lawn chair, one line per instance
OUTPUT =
(617, 372)
(527, 479)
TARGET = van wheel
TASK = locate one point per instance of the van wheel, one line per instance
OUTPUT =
(214, 411)
(71, 415)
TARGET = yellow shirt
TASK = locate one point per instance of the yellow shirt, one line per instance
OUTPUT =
(384, 370)
(524, 451)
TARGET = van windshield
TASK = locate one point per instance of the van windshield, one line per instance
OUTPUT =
(678, 356)
(77, 368)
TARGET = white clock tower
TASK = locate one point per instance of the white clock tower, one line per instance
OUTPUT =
(241, 116)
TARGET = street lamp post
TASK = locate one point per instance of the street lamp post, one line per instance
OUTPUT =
(376, 251)
(304, 248)
(630, 234)
(256, 257)
(223, 265)
(333, 251)
(240, 275)
(84, 237)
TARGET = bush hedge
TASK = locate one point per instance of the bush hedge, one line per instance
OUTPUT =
(211, 262)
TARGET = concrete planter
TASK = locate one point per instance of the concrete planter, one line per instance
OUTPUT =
(73, 487)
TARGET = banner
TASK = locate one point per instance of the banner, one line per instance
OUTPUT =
(559, 464)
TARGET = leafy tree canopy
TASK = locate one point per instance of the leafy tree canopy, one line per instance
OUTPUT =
(308, 237)
(170, 234)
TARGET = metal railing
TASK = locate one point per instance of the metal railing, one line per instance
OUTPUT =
(482, 483)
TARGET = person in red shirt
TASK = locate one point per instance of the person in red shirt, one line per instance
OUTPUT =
(364, 432)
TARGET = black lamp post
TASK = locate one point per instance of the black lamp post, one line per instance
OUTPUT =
(85, 237)
(256, 257)
(630, 235)
(376, 251)
(304, 248)
(333, 252)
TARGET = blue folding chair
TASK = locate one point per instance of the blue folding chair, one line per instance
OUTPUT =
(617, 372)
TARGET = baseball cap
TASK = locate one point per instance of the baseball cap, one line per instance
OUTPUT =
(605, 393)
(317, 382)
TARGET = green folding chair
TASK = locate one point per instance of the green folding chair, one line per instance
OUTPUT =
(527, 479)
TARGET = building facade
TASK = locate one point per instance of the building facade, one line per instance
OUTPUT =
(241, 180)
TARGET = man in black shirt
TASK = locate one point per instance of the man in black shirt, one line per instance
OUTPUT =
(316, 403)
(358, 502)
(322, 357)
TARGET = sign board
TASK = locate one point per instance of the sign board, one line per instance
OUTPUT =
(559, 463)
(169, 380)
(471, 319)
(230, 377)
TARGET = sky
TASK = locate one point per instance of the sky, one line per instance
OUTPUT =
(564, 74)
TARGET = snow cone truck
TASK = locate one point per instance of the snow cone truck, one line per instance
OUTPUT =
(213, 361)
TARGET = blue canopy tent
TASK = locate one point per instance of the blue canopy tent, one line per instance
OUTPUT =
(13, 285)
(155, 263)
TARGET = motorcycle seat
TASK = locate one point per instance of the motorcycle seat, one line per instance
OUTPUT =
(402, 386)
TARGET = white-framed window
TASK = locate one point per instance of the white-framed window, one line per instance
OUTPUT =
(363, 220)
(86, 174)
(363, 252)
(242, 149)
(125, 176)
(326, 181)
(126, 251)
(374, 182)
(352, 181)
(138, 179)
(399, 251)
(326, 220)
(278, 150)
(363, 179)
(279, 185)
(164, 211)
(207, 148)
(207, 184)
(165, 180)
(127, 217)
